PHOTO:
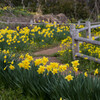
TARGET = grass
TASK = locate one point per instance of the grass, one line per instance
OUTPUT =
(55, 55)
(16, 94)
(9, 94)
(14, 12)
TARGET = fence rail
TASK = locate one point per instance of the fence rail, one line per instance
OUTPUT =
(31, 22)
(25, 23)
(88, 57)
(82, 29)
(87, 40)
(76, 39)
(95, 26)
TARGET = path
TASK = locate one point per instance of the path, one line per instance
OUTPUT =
(48, 51)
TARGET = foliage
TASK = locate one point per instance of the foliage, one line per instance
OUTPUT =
(22, 39)
(48, 83)
(17, 11)
(52, 6)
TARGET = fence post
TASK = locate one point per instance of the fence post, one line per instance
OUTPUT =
(88, 31)
(72, 27)
(75, 44)
(79, 22)
(31, 22)
(8, 22)
(34, 20)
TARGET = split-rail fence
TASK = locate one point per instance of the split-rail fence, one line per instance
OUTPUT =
(76, 40)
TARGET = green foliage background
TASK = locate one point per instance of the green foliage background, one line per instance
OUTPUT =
(78, 9)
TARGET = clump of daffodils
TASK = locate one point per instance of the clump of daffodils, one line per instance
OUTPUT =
(65, 45)
(75, 64)
(53, 67)
(26, 62)
(75, 69)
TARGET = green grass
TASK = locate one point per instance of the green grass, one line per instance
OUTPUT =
(9, 94)
(16, 94)
(14, 12)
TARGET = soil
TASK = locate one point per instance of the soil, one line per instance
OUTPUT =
(48, 51)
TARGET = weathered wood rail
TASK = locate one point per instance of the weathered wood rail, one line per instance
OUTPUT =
(76, 39)
(25, 23)
(32, 22)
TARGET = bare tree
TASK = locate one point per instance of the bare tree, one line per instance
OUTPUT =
(75, 4)
(39, 8)
(22, 2)
(8, 2)
(96, 8)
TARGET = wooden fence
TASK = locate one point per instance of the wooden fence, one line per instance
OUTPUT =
(22, 23)
(31, 22)
(76, 39)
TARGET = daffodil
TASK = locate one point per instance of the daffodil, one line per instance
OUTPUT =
(85, 74)
(75, 69)
(5, 57)
(75, 63)
(55, 71)
(11, 67)
(96, 71)
(69, 77)
(41, 69)
(38, 61)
